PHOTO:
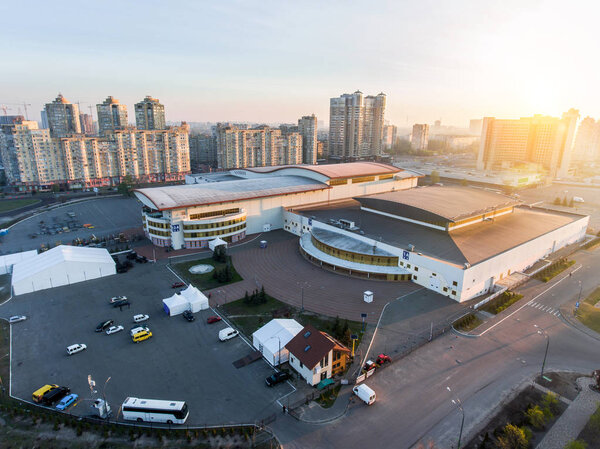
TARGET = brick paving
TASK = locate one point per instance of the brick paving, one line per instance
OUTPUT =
(282, 270)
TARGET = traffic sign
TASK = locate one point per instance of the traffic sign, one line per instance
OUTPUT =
(363, 315)
(354, 337)
(577, 305)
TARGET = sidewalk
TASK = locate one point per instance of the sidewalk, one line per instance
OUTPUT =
(574, 419)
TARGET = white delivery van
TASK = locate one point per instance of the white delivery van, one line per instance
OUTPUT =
(578, 199)
(365, 394)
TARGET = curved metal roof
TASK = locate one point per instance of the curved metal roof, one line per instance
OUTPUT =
(333, 171)
(173, 197)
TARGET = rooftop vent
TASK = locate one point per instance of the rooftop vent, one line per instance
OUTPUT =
(307, 348)
(307, 334)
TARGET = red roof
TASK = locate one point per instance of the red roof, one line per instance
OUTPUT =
(311, 345)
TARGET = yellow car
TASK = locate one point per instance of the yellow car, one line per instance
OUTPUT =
(141, 336)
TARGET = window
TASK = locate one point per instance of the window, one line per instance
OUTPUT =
(407, 265)
(415, 277)
(433, 274)
(454, 283)
(416, 268)
(445, 289)
(454, 292)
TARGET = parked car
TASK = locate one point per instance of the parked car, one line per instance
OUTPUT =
(17, 318)
(132, 255)
(140, 317)
(103, 325)
(54, 395)
(188, 315)
(227, 334)
(141, 259)
(141, 336)
(117, 299)
(74, 349)
(114, 329)
(122, 269)
(177, 284)
(213, 319)
(138, 329)
(369, 365)
(67, 401)
(276, 378)
(122, 303)
(383, 358)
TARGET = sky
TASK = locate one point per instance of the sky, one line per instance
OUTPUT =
(274, 61)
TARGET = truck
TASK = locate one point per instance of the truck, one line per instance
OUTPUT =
(365, 394)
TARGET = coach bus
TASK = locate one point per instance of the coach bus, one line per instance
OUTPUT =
(154, 410)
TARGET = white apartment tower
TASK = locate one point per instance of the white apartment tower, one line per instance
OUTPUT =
(307, 127)
(112, 115)
(587, 142)
(150, 114)
(62, 117)
(356, 125)
(419, 139)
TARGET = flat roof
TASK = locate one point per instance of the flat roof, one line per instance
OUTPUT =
(471, 244)
(451, 203)
(333, 171)
(174, 197)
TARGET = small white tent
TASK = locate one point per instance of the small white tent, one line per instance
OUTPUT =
(271, 339)
(63, 265)
(216, 242)
(175, 305)
(7, 261)
(196, 299)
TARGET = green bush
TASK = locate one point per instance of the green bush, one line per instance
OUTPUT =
(576, 444)
(550, 405)
(512, 437)
(535, 416)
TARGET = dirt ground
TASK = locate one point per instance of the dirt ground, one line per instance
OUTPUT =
(514, 412)
(562, 383)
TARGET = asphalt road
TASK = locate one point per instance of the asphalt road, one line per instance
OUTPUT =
(413, 403)
(182, 361)
(108, 215)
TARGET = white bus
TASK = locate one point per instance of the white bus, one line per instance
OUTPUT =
(154, 410)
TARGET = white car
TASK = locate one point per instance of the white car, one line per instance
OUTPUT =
(138, 329)
(114, 329)
(227, 334)
(74, 349)
(17, 318)
(141, 317)
(117, 299)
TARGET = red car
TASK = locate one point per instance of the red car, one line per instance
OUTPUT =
(177, 284)
(213, 319)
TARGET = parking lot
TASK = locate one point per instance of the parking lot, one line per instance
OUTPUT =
(182, 361)
(106, 215)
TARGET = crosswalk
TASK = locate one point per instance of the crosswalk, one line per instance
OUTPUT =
(544, 308)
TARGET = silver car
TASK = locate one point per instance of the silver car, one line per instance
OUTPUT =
(17, 318)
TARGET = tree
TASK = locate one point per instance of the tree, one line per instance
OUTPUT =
(571, 203)
(557, 201)
(246, 298)
(126, 186)
(220, 254)
(262, 295)
(550, 404)
(512, 438)
(564, 201)
(336, 327)
(55, 188)
(463, 182)
(535, 416)
(435, 177)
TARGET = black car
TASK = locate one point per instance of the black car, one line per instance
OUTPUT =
(122, 269)
(121, 303)
(104, 325)
(276, 378)
(55, 395)
(141, 259)
(189, 315)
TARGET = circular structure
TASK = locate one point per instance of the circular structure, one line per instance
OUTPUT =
(201, 269)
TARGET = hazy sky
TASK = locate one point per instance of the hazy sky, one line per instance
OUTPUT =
(274, 61)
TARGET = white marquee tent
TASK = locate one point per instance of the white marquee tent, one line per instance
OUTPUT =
(63, 265)
(7, 262)
(216, 242)
(175, 305)
(271, 339)
(189, 299)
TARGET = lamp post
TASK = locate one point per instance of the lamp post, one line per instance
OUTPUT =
(302, 286)
(545, 334)
(458, 404)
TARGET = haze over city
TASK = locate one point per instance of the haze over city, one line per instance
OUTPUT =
(271, 61)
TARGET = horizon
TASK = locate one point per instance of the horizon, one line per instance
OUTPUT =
(263, 63)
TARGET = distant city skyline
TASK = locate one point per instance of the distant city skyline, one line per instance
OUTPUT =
(271, 62)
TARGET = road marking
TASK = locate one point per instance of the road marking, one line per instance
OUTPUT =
(557, 313)
(530, 301)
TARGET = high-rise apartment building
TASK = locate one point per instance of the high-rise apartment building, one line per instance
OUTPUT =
(419, 138)
(63, 117)
(203, 150)
(546, 141)
(86, 123)
(256, 147)
(356, 125)
(587, 142)
(307, 128)
(112, 115)
(150, 114)
(475, 126)
(390, 134)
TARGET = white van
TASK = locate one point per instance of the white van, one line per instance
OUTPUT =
(365, 394)
(578, 199)
(227, 333)
(73, 349)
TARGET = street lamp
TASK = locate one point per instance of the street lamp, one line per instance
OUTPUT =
(302, 286)
(545, 334)
(458, 404)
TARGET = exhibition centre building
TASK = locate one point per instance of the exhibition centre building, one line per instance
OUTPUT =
(367, 220)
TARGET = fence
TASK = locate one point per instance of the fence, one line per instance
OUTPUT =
(292, 407)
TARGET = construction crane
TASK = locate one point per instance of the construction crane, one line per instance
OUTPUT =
(4, 109)
(17, 104)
